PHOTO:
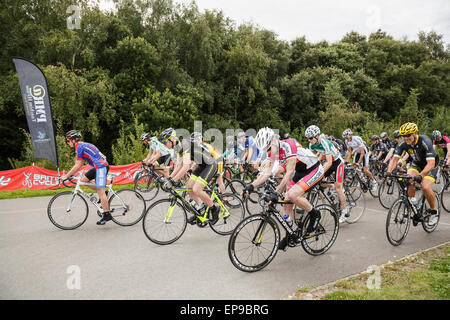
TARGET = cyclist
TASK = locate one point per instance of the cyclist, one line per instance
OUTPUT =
(159, 155)
(424, 164)
(378, 148)
(303, 170)
(190, 152)
(198, 138)
(334, 163)
(361, 154)
(251, 150)
(444, 142)
(90, 153)
(385, 139)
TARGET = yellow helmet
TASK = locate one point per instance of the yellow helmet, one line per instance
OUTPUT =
(408, 128)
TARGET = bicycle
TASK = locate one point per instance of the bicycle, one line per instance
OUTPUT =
(354, 195)
(168, 217)
(145, 182)
(445, 191)
(354, 176)
(255, 240)
(68, 210)
(403, 210)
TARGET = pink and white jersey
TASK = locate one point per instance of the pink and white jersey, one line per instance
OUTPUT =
(288, 149)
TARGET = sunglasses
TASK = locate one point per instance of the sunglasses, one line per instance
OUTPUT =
(407, 136)
(311, 138)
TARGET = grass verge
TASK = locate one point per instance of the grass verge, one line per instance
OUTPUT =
(422, 276)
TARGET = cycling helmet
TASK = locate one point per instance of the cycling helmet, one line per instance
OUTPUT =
(287, 135)
(312, 131)
(167, 134)
(436, 135)
(332, 138)
(196, 136)
(264, 138)
(396, 133)
(145, 136)
(73, 135)
(346, 133)
(383, 135)
(375, 137)
(408, 128)
(241, 134)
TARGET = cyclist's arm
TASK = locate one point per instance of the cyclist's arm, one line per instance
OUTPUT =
(328, 163)
(156, 155)
(389, 155)
(349, 153)
(148, 157)
(431, 163)
(448, 153)
(78, 164)
(264, 175)
(290, 168)
(249, 155)
(184, 165)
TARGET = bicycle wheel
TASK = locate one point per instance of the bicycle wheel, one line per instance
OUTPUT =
(356, 203)
(324, 237)
(164, 222)
(254, 243)
(388, 192)
(230, 215)
(67, 210)
(234, 186)
(127, 207)
(146, 185)
(445, 197)
(398, 222)
(430, 223)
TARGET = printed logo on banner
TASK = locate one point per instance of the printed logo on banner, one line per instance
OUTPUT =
(39, 180)
(4, 182)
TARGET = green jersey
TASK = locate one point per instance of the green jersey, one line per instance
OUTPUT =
(325, 147)
(155, 145)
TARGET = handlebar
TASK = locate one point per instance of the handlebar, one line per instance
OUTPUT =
(71, 179)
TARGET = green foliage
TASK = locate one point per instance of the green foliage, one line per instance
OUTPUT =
(166, 64)
(128, 147)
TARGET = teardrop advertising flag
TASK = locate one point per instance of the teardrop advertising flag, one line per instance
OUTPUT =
(36, 102)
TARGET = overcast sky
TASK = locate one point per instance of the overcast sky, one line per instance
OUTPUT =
(331, 19)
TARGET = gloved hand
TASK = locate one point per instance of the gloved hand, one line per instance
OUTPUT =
(418, 179)
(248, 189)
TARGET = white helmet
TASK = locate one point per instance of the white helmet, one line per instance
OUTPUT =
(264, 138)
(312, 131)
(346, 133)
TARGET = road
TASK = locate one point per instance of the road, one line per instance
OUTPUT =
(39, 261)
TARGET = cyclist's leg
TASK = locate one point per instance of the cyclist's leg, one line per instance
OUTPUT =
(427, 185)
(89, 176)
(338, 185)
(412, 171)
(204, 174)
(100, 183)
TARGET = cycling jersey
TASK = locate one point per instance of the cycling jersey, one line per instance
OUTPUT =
(379, 147)
(155, 145)
(420, 152)
(443, 144)
(288, 149)
(250, 143)
(325, 147)
(90, 153)
(356, 143)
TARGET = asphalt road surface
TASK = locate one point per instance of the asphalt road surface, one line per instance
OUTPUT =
(39, 261)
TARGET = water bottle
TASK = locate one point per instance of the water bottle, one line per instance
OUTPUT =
(288, 220)
(414, 202)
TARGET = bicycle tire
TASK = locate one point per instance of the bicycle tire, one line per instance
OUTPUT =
(356, 203)
(147, 186)
(388, 192)
(155, 216)
(329, 220)
(60, 202)
(235, 207)
(134, 208)
(234, 186)
(242, 249)
(445, 197)
(400, 217)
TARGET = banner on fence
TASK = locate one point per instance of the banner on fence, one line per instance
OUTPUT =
(37, 178)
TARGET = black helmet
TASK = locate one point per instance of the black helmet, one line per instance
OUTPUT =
(73, 135)
(287, 135)
(396, 133)
(167, 134)
(375, 137)
(145, 136)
